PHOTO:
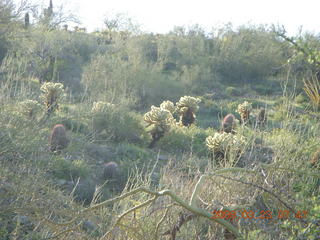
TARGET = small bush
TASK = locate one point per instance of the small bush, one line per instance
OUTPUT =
(183, 139)
(70, 170)
(232, 91)
(75, 125)
(30, 108)
(301, 98)
(118, 124)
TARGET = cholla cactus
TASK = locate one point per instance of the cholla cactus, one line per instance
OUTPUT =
(244, 110)
(224, 143)
(52, 93)
(30, 108)
(101, 107)
(161, 120)
(261, 117)
(187, 107)
(168, 105)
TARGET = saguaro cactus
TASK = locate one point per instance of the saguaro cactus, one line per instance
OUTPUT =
(58, 138)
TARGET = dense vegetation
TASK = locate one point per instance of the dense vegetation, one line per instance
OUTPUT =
(116, 134)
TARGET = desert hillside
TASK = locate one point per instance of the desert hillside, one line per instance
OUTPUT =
(121, 134)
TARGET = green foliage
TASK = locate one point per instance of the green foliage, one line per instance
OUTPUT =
(183, 139)
(310, 212)
(232, 91)
(300, 99)
(70, 170)
(117, 123)
(135, 71)
(312, 89)
(75, 125)
(30, 108)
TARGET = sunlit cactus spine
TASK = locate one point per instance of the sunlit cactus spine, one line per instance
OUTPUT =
(187, 107)
(168, 105)
(102, 107)
(160, 121)
(30, 108)
(58, 138)
(244, 110)
(52, 94)
(228, 124)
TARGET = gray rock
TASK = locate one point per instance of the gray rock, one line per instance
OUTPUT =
(61, 182)
(23, 220)
(163, 157)
(89, 226)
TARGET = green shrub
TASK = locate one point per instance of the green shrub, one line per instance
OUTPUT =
(30, 108)
(301, 98)
(118, 124)
(232, 91)
(74, 125)
(266, 88)
(131, 151)
(70, 170)
(184, 139)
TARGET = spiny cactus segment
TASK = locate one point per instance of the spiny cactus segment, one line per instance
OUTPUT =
(52, 94)
(168, 105)
(223, 143)
(30, 108)
(187, 107)
(244, 110)
(160, 120)
(101, 107)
